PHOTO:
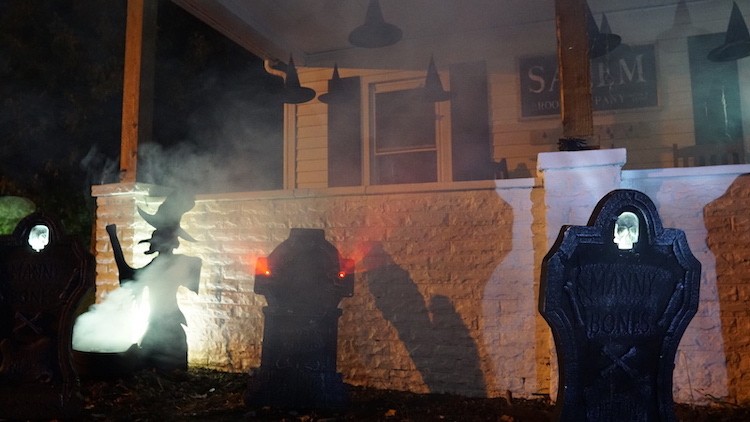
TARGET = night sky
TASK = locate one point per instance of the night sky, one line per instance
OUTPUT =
(216, 111)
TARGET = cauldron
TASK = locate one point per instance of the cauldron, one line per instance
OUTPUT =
(105, 365)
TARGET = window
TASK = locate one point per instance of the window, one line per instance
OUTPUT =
(382, 131)
(409, 136)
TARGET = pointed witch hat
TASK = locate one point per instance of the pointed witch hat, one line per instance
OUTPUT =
(375, 32)
(682, 14)
(294, 93)
(433, 87)
(601, 41)
(737, 41)
(334, 93)
(167, 218)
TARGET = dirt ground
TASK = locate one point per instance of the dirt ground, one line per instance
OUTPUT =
(204, 395)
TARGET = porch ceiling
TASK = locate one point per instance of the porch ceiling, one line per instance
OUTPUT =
(316, 31)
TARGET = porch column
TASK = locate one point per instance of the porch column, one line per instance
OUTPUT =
(574, 182)
(138, 84)
(574, 68)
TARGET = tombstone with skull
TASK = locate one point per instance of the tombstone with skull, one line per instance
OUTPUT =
(618, 295)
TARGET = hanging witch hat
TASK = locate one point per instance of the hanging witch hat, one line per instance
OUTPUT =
(601, 41)
(682, 14)
(737, 41)
(166, 221)
(375, 32)
(433, 87)
(294, 93)
(334, 88)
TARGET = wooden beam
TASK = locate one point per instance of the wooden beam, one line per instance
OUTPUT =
(574, 67)
(227, 22)
(138, 83)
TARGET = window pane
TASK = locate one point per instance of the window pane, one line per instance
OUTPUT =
(408, 167)
(403, 120)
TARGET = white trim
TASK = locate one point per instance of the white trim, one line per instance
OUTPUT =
(374, 84)
(703, 171)
(290, 147)
(472, 185)
(565, 160)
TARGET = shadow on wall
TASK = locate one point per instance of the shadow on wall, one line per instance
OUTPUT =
(727, 220)
(432, 331)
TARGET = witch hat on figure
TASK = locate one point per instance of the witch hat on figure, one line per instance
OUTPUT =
(737, 41)
(166, 221)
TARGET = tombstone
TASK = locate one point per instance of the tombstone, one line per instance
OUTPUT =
(43, 278)
(303, 280)
(618, 295)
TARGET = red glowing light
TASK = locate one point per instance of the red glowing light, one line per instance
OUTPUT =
(261, 267)
(347, 267)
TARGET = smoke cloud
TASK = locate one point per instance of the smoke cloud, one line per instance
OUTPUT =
(99, 168)
(228, 146)
(114, 324)
(122, 317)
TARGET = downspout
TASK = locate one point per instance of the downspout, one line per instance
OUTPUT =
(278, 68)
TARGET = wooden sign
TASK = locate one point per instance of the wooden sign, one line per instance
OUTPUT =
(623, 79)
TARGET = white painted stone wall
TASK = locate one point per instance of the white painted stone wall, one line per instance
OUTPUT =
(681, 198)
(448, 274)
(574, 183)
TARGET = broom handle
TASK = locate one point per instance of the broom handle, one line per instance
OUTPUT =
(126, 271)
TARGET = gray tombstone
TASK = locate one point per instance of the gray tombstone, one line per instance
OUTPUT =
(43, 278)
(303, 280)
(618, 294)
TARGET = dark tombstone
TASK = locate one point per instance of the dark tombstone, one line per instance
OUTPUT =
(43, 278)
(618, 295)
(303, 281)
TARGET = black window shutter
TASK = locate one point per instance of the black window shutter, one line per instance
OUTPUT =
(470, 131)
(344, 134)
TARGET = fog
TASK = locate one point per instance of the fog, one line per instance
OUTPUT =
(226, 148)
(114, 324)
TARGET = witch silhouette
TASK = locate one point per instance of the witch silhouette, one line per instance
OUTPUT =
(164, 344)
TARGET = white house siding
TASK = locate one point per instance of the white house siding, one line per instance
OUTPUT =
(447, 275)
(648, 133)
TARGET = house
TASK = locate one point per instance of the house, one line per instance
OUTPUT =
(449, 205)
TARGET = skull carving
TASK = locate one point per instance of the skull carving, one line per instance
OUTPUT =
(626, 231)
(39, 237)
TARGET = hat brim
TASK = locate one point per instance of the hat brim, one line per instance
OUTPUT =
(729, 52)
(375, 36)
(159, 223)
(334, 97)
(602, 44)
(298, 95)
(153, 219)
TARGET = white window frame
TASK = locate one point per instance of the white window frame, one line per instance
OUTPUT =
(373, 85)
